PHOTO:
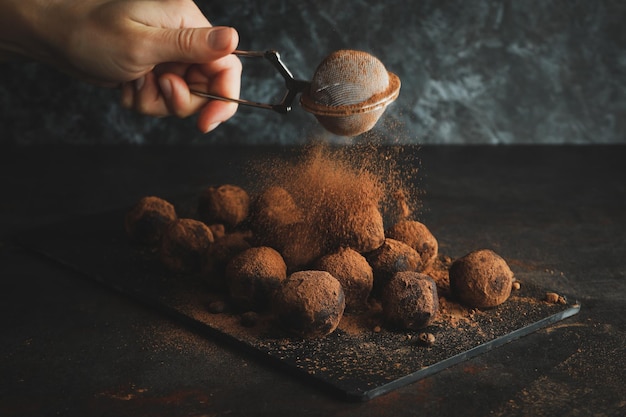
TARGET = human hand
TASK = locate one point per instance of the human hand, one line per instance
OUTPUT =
(154, 50)
(166, 88)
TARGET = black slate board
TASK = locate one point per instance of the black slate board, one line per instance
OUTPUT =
(354, 365)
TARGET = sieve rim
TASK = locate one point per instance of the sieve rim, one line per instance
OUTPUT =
(376, 102)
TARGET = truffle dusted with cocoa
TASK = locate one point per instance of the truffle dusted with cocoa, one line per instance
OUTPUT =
(309, 304)
(339, 202)
(359, 227)
(392, 257)
(218, 230)
(278, 222)
(410, 300)
(184, 245)
(351, 269)
(301, 245)
(254, 275)
(417, 236)
(272, 211)
(227, 204)
(481, 279)
(219, 255)
(148, 219)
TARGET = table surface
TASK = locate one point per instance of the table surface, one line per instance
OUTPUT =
(72, 347)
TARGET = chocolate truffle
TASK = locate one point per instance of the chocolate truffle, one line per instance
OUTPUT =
(218, 230)
(227, 204)
(410, 300)
(309, 304)
(274, 208)
(417, 236)
(148, 219)
(272, 214)
(359, 226)
(392, 257)
(184, 244)
(301, 245)
(254, 275)
(351, 269)
(220, 254)
(481, 279)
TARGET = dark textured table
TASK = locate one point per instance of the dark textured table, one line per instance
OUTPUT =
(72, 347)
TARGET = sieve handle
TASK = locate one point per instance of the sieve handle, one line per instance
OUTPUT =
(294, 87)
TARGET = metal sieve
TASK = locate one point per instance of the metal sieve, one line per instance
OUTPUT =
(349, 91)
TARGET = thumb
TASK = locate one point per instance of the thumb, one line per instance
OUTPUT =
(194, 45)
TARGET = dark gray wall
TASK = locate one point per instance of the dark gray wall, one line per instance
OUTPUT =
(495, 72)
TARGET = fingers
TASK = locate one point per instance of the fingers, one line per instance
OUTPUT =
(165, 92)
(225, 82)
(144, 96)
(192, 45)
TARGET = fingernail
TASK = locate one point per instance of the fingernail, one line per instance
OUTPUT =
(139, 82)
(220, 38)
(166, 87)
(212, 127)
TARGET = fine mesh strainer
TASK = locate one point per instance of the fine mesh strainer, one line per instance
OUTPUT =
(349, 91)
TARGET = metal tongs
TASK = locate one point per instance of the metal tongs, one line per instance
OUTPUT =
(294, 87)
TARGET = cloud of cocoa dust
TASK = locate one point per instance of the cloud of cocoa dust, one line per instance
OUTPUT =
(335, 186)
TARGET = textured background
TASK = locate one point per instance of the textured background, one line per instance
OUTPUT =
(489, 72)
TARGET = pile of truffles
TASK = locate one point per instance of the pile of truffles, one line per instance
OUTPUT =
(313, 245)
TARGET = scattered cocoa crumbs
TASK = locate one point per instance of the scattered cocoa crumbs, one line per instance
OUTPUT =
(554, 298)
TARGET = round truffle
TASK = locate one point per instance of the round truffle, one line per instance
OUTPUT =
(184, 245)
(218, 230)
(309, 304)
(392, 257)
(148, 219)
(410, 300)
(220, 254)
(351, 269)
(274, 207)
(481, 279)
(359, 227)
(278, 222)
(254, 275)
(417, 236)
(301, 245)
(227, 204)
